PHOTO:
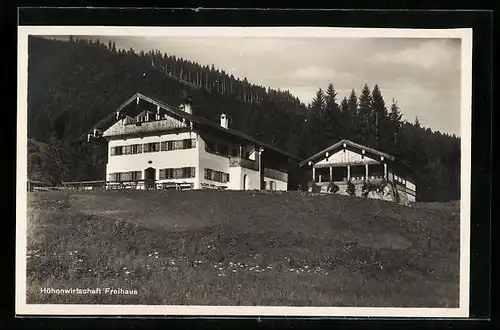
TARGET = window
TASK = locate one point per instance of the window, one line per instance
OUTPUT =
(152, 147)
(166, 173)
(177, 173)
(136, 175)
(188, 172)
(136, 149)
(222, 150)
(187, 144)
(126, 150)
(118, 151)
(167, 145)
(234, 152)
(125, 176)
(218, 176)
(179, 144)
(210, 146)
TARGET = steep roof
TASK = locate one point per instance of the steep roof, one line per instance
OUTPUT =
(197, 120)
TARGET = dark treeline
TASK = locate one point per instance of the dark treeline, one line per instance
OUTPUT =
(72, 85)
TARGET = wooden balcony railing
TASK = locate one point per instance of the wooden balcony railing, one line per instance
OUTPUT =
(275, 174)
(130, 126)
(243, 162)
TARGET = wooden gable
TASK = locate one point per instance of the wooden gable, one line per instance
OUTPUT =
(347, 156)
(139, 124)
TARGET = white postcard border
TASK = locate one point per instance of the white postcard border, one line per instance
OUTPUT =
(22, 308)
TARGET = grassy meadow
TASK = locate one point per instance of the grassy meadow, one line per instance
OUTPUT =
(241, 248)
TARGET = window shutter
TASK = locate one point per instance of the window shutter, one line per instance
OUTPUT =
(179, 144)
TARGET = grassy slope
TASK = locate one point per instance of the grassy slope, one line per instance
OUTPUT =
(242, 248)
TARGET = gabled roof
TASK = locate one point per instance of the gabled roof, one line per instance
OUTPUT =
(340, 145)
(199, 121)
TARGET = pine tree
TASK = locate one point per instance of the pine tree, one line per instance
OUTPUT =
(353, 104)
(379, 116)
(416, 123)
(395, 123)
(395, 115)
(318, 102)
(351, 115)
(331, 117)
(331, 98)
(364, 115)
(344, 105)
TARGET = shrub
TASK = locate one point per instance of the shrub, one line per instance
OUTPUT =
(395, 194)
(377, 186)
(333, 188)
(351, 188)
(382, 185)
(313, 187)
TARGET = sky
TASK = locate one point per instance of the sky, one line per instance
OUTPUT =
(422, 74)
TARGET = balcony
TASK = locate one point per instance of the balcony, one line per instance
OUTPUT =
(276, 175)
(243, 162)
(131, 126)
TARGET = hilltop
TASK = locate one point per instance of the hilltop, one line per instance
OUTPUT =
(242, 248)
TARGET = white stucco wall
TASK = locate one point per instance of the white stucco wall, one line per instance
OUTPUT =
(253, 179)
(235, 179)
(278, 185)
(214, 162)
(195, 157)
(159, 159)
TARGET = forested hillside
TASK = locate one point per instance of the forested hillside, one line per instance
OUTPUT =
(73, 84)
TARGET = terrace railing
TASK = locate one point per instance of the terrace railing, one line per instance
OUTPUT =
(84, 185)
(147, 185)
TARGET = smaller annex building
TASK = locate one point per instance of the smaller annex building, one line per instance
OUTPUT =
(372, 173)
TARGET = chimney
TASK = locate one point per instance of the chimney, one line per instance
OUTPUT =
(186, 103)
(186, 106)
(224, 120)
